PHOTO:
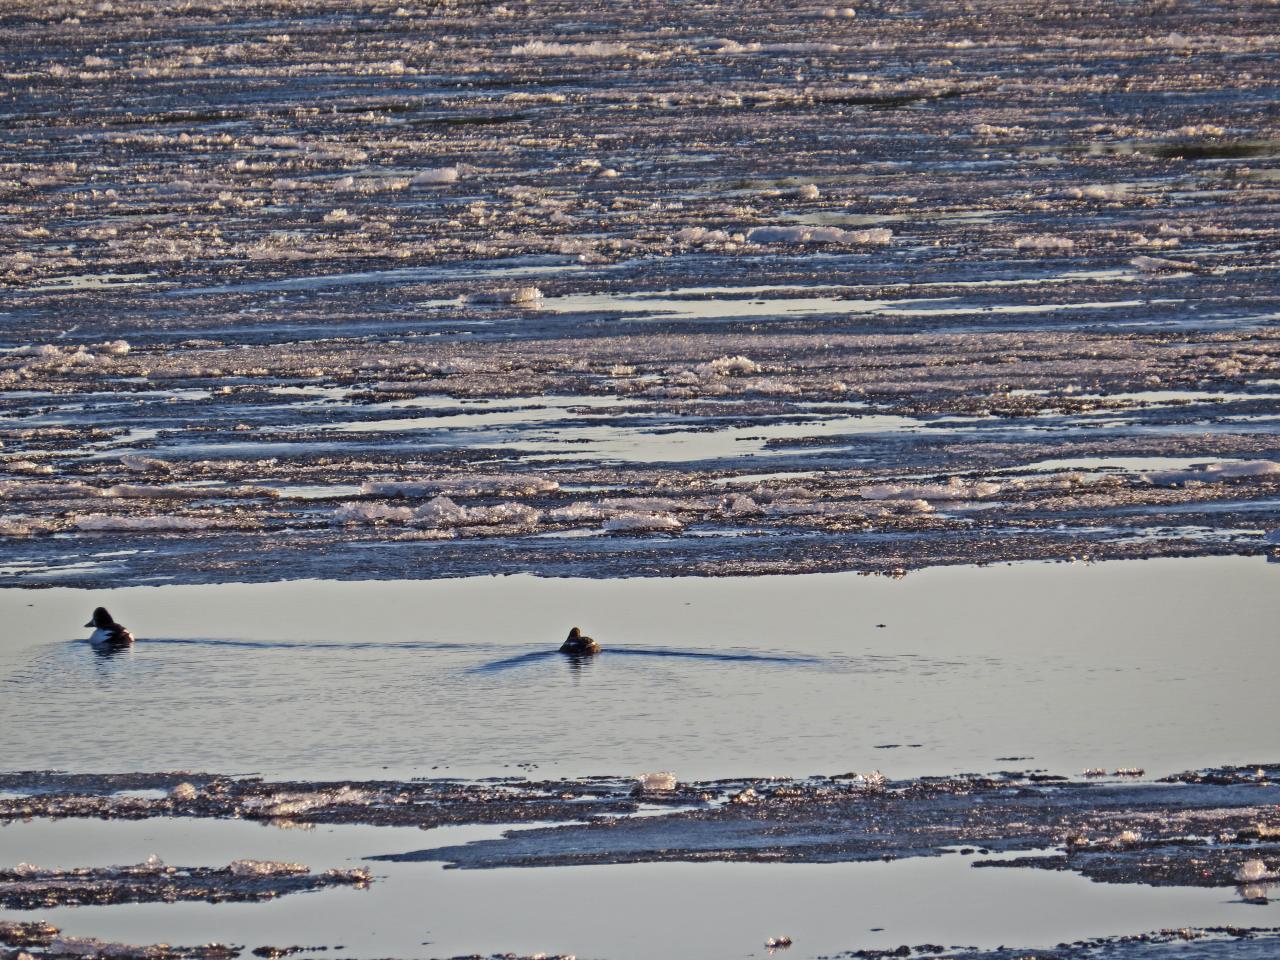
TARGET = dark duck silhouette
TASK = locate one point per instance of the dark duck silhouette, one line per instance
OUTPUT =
(577, 645)
(107, 632)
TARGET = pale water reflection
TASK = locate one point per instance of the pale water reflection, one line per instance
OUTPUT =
(1159, 664)
(627, 912)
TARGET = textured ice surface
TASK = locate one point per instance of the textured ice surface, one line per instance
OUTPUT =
(277, 280)
(740, 881)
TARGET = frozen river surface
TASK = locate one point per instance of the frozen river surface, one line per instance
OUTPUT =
(316, 319)
(351, 290)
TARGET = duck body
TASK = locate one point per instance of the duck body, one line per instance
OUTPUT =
(577, 645)
(108, 633)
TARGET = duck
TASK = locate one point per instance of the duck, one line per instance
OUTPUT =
(576, 645)
(107, 632)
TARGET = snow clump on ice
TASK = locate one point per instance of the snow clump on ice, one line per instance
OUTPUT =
(441, 175)
(1045, 243)
(641, 522)
(876, 235)
(523, 295)
(660, 781)
(726, 366)
(266, 868)
(599, 48)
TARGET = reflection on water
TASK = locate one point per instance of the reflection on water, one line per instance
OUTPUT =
(1120, 664)
(637, 911)
(509, 663)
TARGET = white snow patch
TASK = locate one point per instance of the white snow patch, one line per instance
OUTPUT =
(1252, 871)
(430, 178)
(266, 868)
(701, 236)
(663, 780)
(1099, 191)
(640, 522)
(599, 48)
(145, 464)
(954, 489)
(877, 235)
(734, 47)
(352, 512)
(726, 366)
(442, 512)
(1045, 243)
(522, 295)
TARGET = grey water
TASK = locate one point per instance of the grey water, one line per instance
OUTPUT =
(1160, 664)
(627, 912)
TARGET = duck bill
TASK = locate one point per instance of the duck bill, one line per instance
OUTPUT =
(89, 624)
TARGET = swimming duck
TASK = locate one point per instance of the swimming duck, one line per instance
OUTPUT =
(108, 632)
(579, 646)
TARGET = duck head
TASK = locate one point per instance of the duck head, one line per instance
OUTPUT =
(101, 619)
(574, 634)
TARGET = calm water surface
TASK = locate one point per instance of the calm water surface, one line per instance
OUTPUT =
(1162, 664)
(627, 912)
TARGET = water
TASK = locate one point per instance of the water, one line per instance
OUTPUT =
(712, 910)
(236, 316)
(1159, 664)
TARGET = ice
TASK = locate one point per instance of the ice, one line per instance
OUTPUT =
(727, 366)
(1213, 472)
(637, 522)
(500, 484)
(290, 804)
(1054, 253)
(436, 177)
(733, 46)
(1162, 265)
(875, 235)
(105, 523)
(742, 506)
(514, 295)
(443, 512)
(703, 237)
(953, 489)
(12, 526)
(142, 491)
(599, 48)
(657, 782)
(1045, 243)
(354, 512)
(1100, 191)
(145, 464)
(1252, 871)
(266, 868)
